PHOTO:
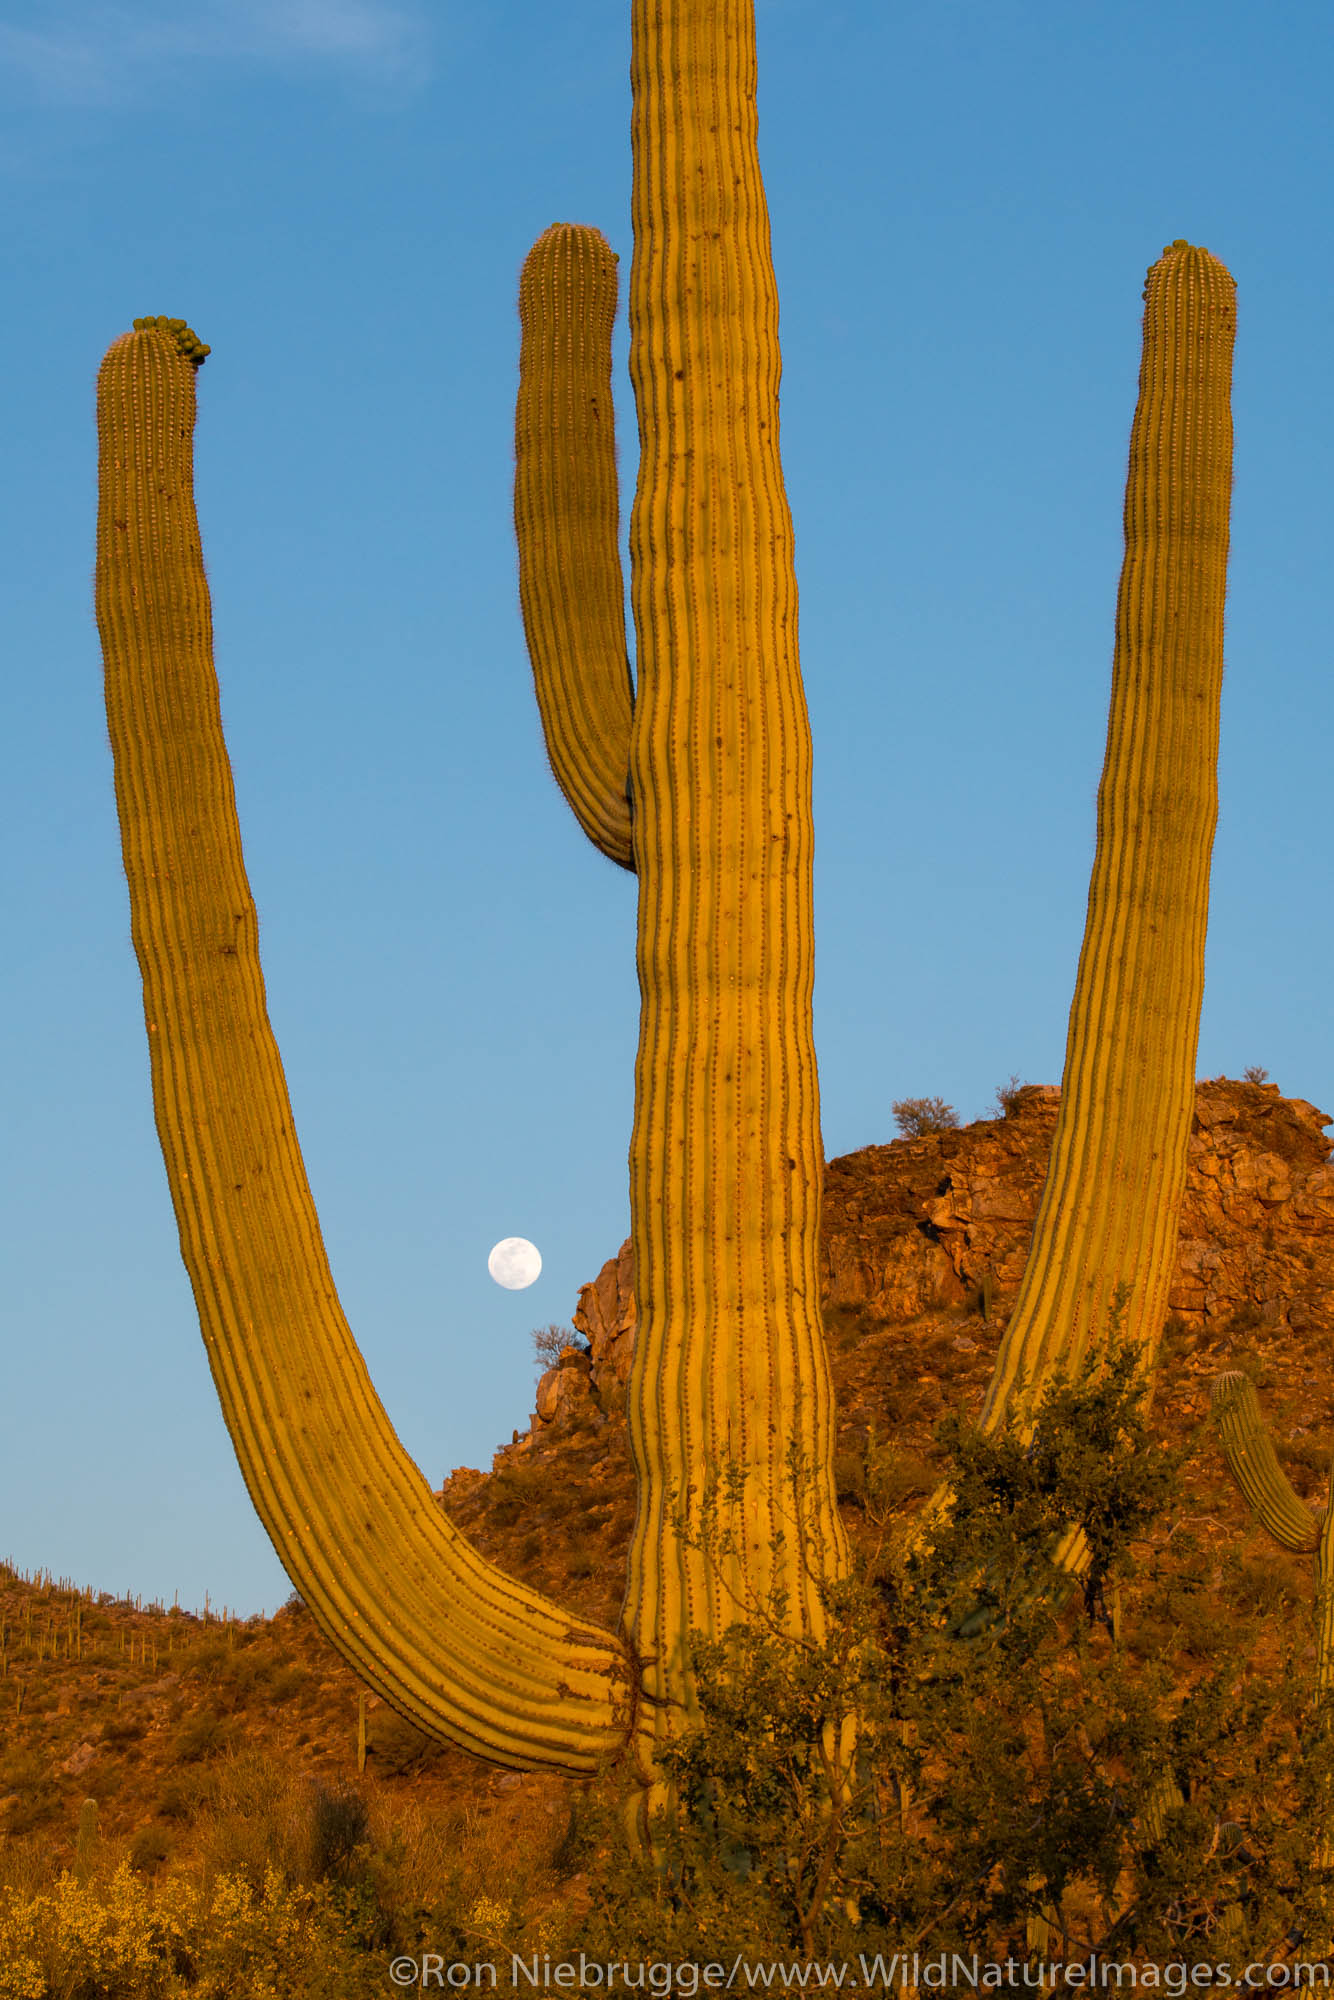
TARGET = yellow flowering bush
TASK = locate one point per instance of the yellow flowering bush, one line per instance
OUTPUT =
(76, 1941)
(121, 1940)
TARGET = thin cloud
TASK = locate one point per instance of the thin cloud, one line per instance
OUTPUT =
(115, 54)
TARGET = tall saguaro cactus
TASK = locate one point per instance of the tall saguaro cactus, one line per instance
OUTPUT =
(711, 763)
(726, 1161)
(697, 777)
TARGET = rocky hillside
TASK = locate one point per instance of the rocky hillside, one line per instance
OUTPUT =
(179, 1729)
(923, 1245)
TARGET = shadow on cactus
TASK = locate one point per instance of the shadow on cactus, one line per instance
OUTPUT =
(693, 774)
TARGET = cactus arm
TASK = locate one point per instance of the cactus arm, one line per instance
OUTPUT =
(566, 517)
(1324, 1616)
(460, 1648)
(730, 1370)
(1251, 1459)
(1249, 1453)
(1107, 1224)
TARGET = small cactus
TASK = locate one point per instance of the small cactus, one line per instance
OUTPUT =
(85, 1841)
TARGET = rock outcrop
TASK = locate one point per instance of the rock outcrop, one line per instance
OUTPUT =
(941, 1220)
(923, 1245)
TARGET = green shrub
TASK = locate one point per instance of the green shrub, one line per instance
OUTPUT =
(917, 1115)
(1014, 1765)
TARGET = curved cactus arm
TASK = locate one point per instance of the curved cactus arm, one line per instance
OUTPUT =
(566, 517)
(466, 1652)
(1251, 1459)
(1265, 1487)
(1105, 1237)
(1324, 1613)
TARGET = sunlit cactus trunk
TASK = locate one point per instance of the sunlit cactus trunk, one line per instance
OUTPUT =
(726, 1164)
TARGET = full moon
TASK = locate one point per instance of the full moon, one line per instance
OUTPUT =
(514, 1263)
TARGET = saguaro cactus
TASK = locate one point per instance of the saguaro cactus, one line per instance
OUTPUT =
(698, 779)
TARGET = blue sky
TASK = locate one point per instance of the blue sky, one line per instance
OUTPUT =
(338, 195)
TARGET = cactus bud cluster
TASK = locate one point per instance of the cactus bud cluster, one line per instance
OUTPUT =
(187, 340)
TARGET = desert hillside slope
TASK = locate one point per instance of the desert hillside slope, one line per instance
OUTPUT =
(172, 1724)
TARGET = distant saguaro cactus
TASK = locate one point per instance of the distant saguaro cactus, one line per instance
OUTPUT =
(696, 776)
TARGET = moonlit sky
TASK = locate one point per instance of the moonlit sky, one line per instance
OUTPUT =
(338, 195)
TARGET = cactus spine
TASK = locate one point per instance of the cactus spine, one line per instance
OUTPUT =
(1105, 1236)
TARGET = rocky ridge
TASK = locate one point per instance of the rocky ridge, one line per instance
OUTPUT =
(923, 1244)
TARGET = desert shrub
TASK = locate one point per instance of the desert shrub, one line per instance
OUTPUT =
(1015, 1765)
(514, 1490)
(148, 1850)
(122, 1729)
(124, 1940)
(1261, 1585)
(203, 1735)
(249, 1820)
(1007, 1095)
(550, 1341)
(288, 1682)
(1255, 1074)
(916, 1115)
(177, 1801)
(339, 1826)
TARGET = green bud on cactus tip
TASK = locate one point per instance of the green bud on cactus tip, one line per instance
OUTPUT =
(186, 341)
